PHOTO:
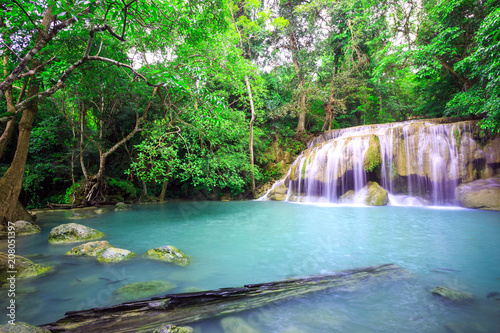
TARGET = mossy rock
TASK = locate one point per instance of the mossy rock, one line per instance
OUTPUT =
(77, 216)
(25, 268)
(91, 249)
(113, 254)
(376, 196)
(26, 228)
(22, 327)
(456, 296)
(142, 290)
(372, 159)
(169, 328)
(73, 232)
(122, 206)
(347, 197)
(170, 254)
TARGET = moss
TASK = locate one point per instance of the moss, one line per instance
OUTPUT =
(73, 232)
(92, 249)
(372, 158)
(169, 254)
(141, 290)
(25, 268)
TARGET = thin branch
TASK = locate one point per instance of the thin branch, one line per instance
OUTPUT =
(36, 69)
(29, 17)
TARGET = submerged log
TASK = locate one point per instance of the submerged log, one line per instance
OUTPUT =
(182, 309)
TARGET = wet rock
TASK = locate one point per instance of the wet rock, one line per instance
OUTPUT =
(25, 268)
(169, 328)
(22, 327)
(77, 216)
(376, 195)
(91, 249)
(278, 193)
(122, 206)
(372, 158)
(100, 211)
(113, 254)
(456, 296)
(26, 228)
(73, 232)
(482, 194)
(142, 290)
(347, 197)
(170, 254)
(492, 151)
(236, 325)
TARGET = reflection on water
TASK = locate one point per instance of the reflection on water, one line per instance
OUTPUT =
(237, 243)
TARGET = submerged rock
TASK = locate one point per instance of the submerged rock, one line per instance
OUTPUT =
(122, 206)
(456, 296)
(236, 325)
(77, 216)
(170, 254)
(73, 232)
(142, 290)
(113, 254)
(482, 194)
(91, 249)
(22, 327)
(26, 228)
(169, 328)
(25, 268)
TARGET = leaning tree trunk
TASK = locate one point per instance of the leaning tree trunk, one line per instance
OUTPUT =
(11, 182)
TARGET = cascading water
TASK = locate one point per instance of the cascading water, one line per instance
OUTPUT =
(425, 159)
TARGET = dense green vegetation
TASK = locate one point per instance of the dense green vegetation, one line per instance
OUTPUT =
(173, 99)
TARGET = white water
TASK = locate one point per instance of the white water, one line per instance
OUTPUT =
(421, 162)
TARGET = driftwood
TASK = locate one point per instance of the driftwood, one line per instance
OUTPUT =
(182, 309)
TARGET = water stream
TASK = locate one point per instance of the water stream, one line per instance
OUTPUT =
(237, 243)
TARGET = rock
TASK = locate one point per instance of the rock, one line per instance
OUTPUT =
(77, 216)
(100, 211)
(25, 268)
(73, 232)
(376, 196)
(122, 206)
(26, 228)
(236, 325)
(456, 296)
(169, 328)
(113, 254)
(465, 328)
(278, 193)
(22, 327)
(142, 290)
(347, 197)
(170, 254)
(91, 249)
(371, 158)
(482, 194)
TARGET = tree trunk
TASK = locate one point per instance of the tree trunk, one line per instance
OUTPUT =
(252, 120)
(11, 182)
(11, 123)
(183, 309)
(163, 190)
(301, 126)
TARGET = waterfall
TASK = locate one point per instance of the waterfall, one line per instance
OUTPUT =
(413, 159)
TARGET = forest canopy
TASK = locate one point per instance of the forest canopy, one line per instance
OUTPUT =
(105, 101)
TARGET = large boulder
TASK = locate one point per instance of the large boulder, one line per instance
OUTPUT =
(25, 268)
(376, 195)
(142, 290)
(482, 194)
(26, 228)
(91, 249)
(73, 232)
(456, 296)
(278, 193)
(113, 254)
(170, 254)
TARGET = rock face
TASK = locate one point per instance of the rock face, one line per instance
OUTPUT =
(278, 193)
(236, 325)
(376, 195)
(456, 296)
(142, 290)
(25, 268)
(170, 254)
(482, 194)
(22, 327)
(26, 228)
(169, 328)
(73, 232)
(91, 249)
(113, 254)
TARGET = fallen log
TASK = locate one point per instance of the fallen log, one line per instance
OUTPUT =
(182, 309)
